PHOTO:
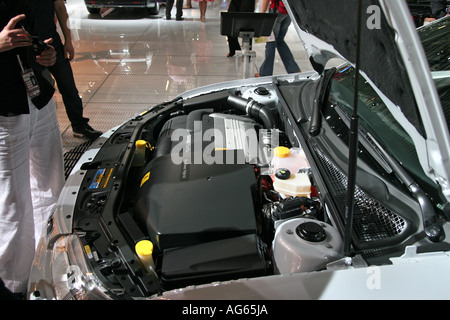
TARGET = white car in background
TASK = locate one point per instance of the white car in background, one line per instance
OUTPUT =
(284, 187)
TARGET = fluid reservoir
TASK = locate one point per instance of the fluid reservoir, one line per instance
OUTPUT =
(139, 155)
(292, 184)
(303, 245)
(292, 159)
(144, 250)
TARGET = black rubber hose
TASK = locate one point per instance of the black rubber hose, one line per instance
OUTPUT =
(253, 109)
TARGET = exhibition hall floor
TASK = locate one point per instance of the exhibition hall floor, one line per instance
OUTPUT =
(127, 61)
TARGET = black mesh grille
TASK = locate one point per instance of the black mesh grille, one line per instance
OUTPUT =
(372, 221)
(72, 156)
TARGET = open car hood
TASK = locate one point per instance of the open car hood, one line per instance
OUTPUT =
(391, 59)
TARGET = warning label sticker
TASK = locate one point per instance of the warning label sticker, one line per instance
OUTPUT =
(101, 178)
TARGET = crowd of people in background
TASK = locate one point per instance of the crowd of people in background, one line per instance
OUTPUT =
(280, 30)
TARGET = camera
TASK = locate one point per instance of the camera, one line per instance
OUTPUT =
(38, 45)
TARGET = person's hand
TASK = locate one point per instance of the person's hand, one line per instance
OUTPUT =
(69, 51)
(428, 20)
(12, 37)
(47, 57)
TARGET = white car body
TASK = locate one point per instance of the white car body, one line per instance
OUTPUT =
(411, 274)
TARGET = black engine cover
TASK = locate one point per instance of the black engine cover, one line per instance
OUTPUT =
(186, 204)
(214, 261)
(200, 217)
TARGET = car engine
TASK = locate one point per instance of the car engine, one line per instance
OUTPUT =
(218, 187)
(224, 196)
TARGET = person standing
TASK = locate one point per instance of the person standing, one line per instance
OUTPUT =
(179, 8)
(279, 30)
(31, 154)
(203, 4)
(188, 5)
(238, 6)
(45, 11)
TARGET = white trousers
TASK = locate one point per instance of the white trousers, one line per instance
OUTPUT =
(31, 179)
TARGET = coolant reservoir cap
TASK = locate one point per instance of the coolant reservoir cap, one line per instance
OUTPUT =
(144, 248)
(281, 152)
(311, 231)
(283, 174)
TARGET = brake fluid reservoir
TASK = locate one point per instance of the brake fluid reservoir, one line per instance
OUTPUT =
(303, 245)
(292, 159)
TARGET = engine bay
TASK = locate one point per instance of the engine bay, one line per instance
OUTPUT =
(214, 193)
(216, 187)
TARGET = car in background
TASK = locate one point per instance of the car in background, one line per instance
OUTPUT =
(326, 184)
(94, 6)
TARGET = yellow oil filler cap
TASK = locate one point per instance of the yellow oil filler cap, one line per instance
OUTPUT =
(281, 152)
(144, 250)
(141, 144)
(139, 154)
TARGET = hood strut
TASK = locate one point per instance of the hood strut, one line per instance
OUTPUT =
(353, 145)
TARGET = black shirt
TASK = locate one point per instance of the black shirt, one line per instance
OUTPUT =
(44, 12)
(13, 94)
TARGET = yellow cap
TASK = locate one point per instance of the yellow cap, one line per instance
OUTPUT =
(281, 152)
(141, 143)
(144, 248)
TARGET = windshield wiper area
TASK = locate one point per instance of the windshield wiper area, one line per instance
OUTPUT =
(431, 225)
(433, 229)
